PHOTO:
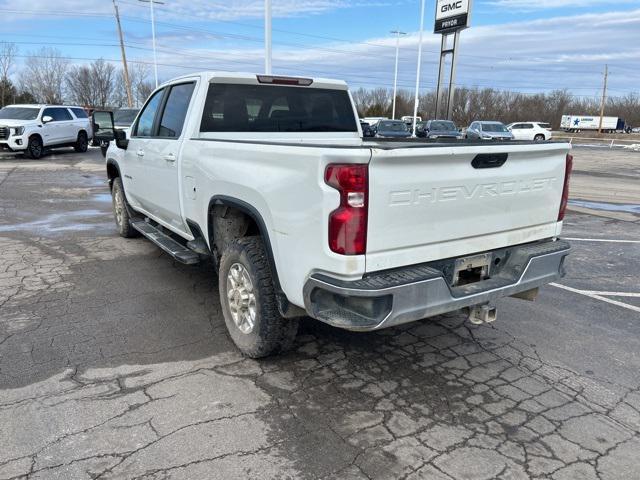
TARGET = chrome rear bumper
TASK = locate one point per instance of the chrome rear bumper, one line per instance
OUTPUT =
(394, 297)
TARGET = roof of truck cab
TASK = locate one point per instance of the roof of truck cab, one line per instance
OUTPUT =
(251, 78)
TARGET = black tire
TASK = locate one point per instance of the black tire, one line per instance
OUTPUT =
(35, 149)
(539, 138)
(270, 333)
(121, 211)
(82, 143)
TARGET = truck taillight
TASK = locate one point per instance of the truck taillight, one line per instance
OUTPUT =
(565, 189)
(348, 223)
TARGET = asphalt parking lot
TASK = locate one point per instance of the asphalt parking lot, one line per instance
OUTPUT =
(115, 363)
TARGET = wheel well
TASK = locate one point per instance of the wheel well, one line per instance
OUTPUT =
(85, 133)
(36, 135)
(228, 223)
(112, 172)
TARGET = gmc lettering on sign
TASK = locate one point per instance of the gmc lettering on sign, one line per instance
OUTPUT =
(451, 8)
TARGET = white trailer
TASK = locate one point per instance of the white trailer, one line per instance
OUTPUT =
(578, 123)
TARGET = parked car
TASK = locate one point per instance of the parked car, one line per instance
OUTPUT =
(532, 131)
(359, 235)
(122, 119)
(488, 131)
(367, 131)
(438, 129)
(391, 129)
(33, 129)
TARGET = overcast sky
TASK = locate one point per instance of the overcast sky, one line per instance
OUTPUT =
(520, 45)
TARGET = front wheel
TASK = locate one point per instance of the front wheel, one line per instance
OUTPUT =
(35, 149)
(249, 303)
(120, 210)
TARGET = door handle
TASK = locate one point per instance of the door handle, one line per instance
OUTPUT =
(140, 153)
(171, 158)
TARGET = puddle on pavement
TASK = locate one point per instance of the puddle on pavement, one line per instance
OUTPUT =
(608, 207)
(73, 221)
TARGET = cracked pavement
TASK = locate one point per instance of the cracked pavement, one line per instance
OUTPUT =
(115, 363)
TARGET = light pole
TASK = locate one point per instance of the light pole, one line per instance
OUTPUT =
(415, 103)
(267, 37)
(395, 76)
(153, 35)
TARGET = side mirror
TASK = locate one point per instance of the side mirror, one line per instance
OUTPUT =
(121, 139)
(368, 132)
(102, 122)
(47, 119)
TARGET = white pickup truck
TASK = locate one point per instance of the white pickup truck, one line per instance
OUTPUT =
(271, 178)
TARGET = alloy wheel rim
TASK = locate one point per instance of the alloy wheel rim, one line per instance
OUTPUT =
(118, 207)
(241, 298)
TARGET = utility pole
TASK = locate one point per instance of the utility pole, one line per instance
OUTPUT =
(267, 37)
(125, 68)
(395, 77)
(153, 35)
(415, 103)
(604, 96)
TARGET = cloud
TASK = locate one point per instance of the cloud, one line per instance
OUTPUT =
(529, 56)
(533, 5)
(196, 9)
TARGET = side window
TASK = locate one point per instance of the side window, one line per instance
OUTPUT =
(48, 112)
(79, 113)
(175, 110)
(144, 127)
(526, 126)
(61, 114)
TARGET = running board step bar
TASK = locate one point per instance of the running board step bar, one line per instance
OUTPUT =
(179, 252)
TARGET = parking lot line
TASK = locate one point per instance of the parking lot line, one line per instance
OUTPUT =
(598, 296)
(599, 240)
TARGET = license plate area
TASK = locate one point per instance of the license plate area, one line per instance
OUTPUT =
(471, 269)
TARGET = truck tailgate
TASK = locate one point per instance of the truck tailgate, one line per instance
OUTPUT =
(432, 203)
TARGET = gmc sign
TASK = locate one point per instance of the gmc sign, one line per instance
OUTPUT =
(451, 15)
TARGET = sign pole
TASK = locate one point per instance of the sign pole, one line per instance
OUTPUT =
(451, 19)
(452, 76)
(443, 44)
(416, 100)
(267, 37)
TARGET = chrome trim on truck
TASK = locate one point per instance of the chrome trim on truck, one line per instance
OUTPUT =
(354, 306)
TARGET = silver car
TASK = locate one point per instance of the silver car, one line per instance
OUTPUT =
(488, 131)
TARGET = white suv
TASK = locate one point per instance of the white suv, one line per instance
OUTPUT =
(34, 128)
(532, 131)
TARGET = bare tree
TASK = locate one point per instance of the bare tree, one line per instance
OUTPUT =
(142, 88)
(103, 76)
(92, 85)
(44, 75)
(79, 85)
(8, 52)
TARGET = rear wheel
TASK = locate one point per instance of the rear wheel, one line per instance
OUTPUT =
(539, 138)
(120, 210)
(35, 148)
(82, 143)
(249, 303)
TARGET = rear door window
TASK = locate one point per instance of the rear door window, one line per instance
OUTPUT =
(175, 110)
(79, 113)
(267, 108)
